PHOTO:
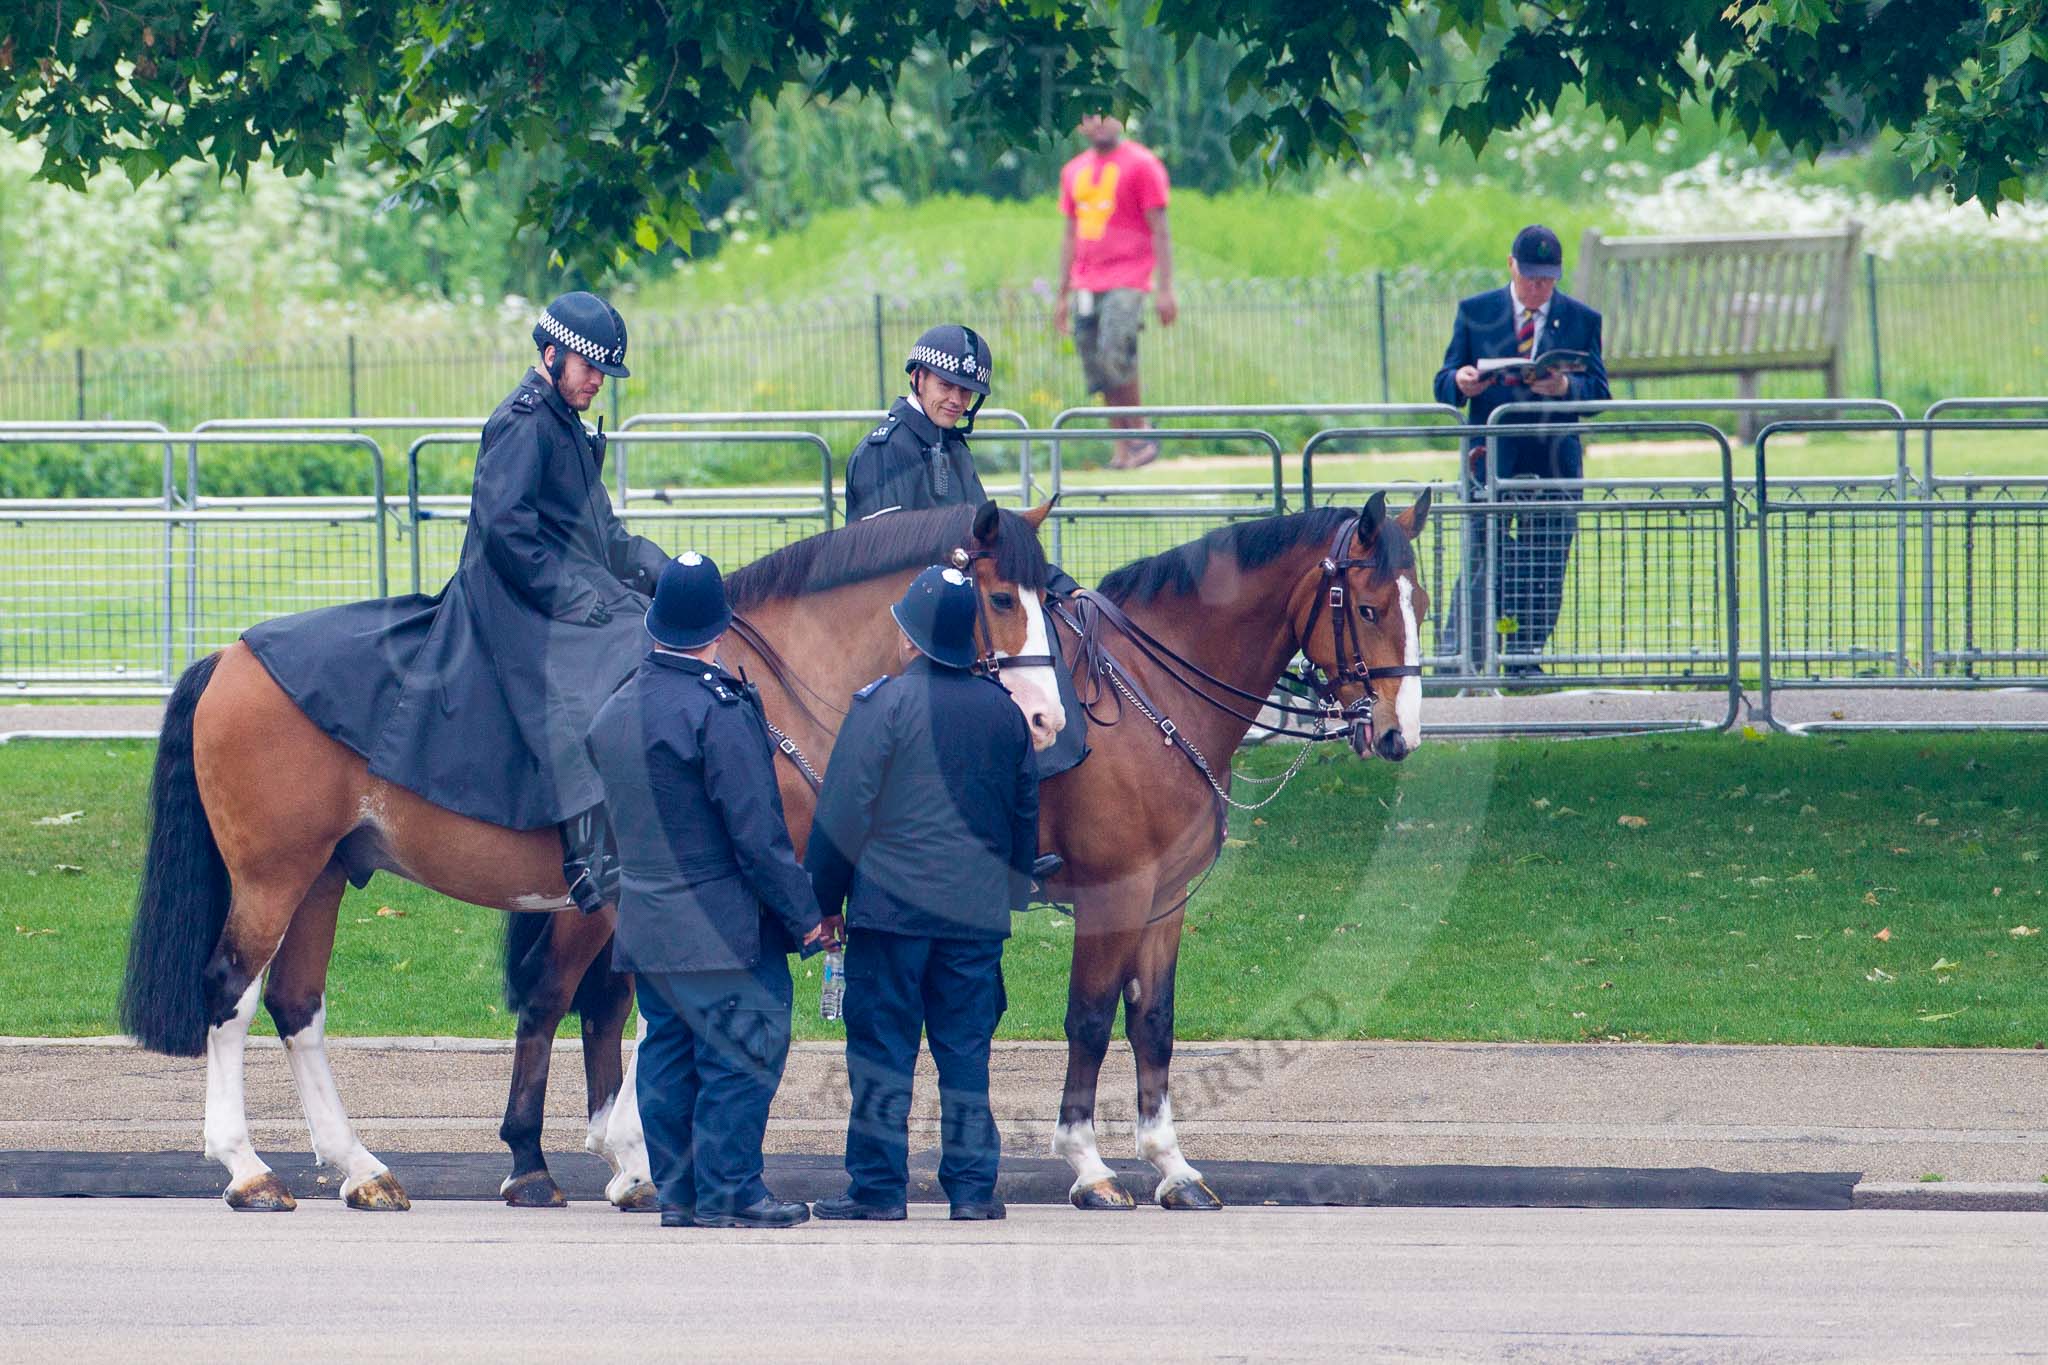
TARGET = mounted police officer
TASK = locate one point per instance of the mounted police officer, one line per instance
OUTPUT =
(924, 836)
(918, 457)
(711, 902)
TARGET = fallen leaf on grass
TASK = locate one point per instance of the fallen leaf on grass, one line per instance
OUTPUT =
(1944, 965)
(1937, 1018)
(1751, 732)
(1633, 822)
(404, 964)
(2022, 931)
(27, 932)
(1926, 818)
(1883, 935)
(1878, 974)
(67, 818)
(69, 867)
(2030, 856)
(1541, 803)
(1870, 898)
(1235, 843)
(386, 912)
(1809, 810)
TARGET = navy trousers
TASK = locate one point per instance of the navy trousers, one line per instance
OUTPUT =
(713, 1056)
(951, 989)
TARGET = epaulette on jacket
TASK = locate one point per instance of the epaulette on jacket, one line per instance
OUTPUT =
(871, 688)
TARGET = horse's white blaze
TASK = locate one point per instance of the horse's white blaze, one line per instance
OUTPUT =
(1036, 688)
(227, 1118)
(1408, 701)
(1076, 1146)
(1160, 1145)
(334, 1140)
(624, 1140)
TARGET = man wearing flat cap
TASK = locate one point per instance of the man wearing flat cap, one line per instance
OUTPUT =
(1527, 318)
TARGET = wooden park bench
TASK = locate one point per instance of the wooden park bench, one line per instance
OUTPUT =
(1735, 305)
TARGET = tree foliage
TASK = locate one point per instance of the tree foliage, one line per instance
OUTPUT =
(629, 101)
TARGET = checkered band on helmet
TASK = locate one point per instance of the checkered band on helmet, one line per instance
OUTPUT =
(954, 352)
(581, 345)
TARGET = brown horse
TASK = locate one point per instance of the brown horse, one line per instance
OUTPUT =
(1181, 651)
(259, 820)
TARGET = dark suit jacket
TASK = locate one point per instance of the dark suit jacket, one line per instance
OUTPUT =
(708, 879)
(1486, 328)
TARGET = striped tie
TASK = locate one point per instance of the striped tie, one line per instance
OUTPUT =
(1525, 335)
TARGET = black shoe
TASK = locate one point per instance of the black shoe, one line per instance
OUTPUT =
(590, 868)
(980, 1210)
(845, 1208)
(1525, 670)
(765, 1212)
(678, 1215)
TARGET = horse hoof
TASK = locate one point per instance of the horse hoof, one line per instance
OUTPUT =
(642, 1198)
(1190, 1194)
(533, 1190)
(381, 1193)
(261, 1194)
(1103, 1194)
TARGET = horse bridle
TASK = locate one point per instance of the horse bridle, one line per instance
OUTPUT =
(1349, 667)
(987, 661)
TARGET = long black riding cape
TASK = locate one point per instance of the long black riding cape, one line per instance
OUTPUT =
(478, 697)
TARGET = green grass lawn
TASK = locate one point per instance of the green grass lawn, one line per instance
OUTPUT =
(1484, 891)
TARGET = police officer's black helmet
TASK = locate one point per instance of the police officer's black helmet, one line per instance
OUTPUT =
(586, 324)
(937, 613)
(956, 354)
(689, 609)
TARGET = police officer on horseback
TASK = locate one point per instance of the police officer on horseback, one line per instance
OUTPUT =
(918, 457)
(924, 837)
(711, 902)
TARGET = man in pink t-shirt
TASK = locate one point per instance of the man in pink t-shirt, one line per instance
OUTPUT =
(1114, 253)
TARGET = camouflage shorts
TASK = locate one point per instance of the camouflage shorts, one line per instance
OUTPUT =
(1106, 336)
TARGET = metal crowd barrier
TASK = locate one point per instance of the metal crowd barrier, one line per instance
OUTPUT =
(806, 418)
(112, 598)
(1981, 587)
(1092, 531)
(1646, 582)
(745, 523)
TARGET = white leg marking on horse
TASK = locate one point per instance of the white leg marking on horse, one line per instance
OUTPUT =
(1076, 1145)
(1132, 990)
(334, 1138)
(540, 902)
(1036, 689)
(1408, 701)
(1160, 1145)
(625, 1142)
(227, 1118)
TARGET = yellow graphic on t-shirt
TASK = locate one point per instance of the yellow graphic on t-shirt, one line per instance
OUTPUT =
(1094, 199)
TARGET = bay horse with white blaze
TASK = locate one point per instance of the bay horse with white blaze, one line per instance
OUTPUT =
(1177, 654)
(259, 820)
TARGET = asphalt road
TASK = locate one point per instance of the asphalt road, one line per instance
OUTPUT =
(178, 1280)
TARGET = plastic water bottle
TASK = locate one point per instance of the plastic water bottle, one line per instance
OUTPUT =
(832, 995)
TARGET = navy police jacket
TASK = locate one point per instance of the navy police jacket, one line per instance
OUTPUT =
(1486, 328)
(908, 463)
(709, 880)
(928, 821)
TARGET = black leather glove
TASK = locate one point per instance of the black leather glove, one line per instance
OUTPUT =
(599, 614)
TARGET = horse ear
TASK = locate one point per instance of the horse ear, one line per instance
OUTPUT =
(1037, 515)
(985, 522)
(1411, 520)
(1370, 516)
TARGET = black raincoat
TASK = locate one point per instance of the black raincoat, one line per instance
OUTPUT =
(479, 697)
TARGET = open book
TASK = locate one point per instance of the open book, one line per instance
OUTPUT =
(1520, 369)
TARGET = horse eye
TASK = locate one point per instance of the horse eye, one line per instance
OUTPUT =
(1001, 601)
(1370, 613)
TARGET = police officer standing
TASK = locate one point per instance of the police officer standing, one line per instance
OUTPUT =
(711, 902)
(918, 457)
(924, 834)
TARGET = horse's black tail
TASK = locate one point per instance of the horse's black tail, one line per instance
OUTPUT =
(529, 947)
(183, 901)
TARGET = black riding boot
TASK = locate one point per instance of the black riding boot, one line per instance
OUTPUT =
(589, 865)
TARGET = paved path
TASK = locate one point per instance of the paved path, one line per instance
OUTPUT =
(177, 1281)
(1447, 715)
(1894, 1115)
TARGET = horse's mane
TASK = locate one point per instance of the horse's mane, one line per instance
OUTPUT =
(1252, 544)
(885, 544)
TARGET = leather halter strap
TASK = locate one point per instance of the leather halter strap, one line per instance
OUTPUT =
(987, 661)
